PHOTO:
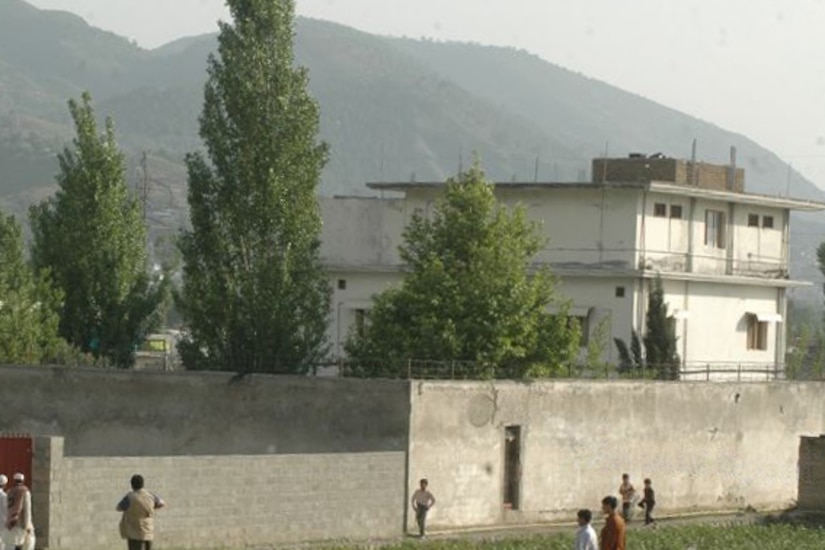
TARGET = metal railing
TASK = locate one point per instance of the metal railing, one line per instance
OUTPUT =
(431, 369)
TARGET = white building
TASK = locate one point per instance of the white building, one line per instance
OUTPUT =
(722, 255)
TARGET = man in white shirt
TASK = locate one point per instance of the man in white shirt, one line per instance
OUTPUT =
(586, 535)
(422, 501)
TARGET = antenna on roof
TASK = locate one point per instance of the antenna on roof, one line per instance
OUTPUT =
(732, 169)
(461, 160)
(788, 182)
(604, 164)
(536, 171)
(693, 173)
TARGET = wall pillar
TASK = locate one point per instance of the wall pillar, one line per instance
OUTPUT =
(46, 461)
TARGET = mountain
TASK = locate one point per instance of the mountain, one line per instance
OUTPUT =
(391, 109)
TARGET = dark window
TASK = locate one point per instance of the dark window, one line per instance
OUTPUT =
(715, 228)
(757, 333)
(767, 222)
(676, 211)
(512, 466)
(660, 210)
(619, 292)
(342, 284)
(753, 220)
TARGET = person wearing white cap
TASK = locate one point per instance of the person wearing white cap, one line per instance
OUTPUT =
(19, 515)
(3, 507)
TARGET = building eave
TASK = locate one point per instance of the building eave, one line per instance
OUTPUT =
(601, 271)
(754, 199)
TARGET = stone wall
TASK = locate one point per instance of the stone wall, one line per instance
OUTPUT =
(647, 169)
(221, 501)
(812, 473)
(717, 446)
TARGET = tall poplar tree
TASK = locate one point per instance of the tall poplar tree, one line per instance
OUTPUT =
(255, 297)
(91, 238)
(28, 304)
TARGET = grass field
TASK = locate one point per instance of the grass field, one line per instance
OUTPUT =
(685, 537)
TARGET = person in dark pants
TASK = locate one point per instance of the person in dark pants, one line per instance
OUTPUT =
(422, 501)
(648, 502)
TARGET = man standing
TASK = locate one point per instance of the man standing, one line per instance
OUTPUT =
(137, 525)
(628, 494)
(586, 535)
(422, 501)
(19, 515)
(613, 533)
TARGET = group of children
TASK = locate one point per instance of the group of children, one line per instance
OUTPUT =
(613, 535)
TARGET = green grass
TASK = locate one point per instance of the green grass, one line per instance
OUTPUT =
(688, 537)
(734, 536)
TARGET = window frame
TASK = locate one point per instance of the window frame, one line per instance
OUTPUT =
(660, 210)
(767, 222)
(676, 212)
(753, 220)
(757, 334)
(716, 232)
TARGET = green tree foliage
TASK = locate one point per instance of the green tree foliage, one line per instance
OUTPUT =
(255, 297)
(91, 239)
(28, 310)
(469, 296)
(655, 351)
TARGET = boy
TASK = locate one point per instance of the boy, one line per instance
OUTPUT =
(628, 494)
(648, 502)
(422, 501)
(613, 536)
(586, 535)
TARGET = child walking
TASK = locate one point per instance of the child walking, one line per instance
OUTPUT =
(648, 502)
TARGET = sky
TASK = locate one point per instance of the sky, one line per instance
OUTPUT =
(750, 66)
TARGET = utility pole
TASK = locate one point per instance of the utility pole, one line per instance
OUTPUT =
(144, 192)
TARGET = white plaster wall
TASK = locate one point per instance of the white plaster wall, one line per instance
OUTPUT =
(715, 330)
(706, 446)
(666, 240)
(361, 232)
(597, 295)
(758, 249)
(583, 227)
(361, 287)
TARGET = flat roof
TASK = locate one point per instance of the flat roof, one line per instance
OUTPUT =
(654, 186)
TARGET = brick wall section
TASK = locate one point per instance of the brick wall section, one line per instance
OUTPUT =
(709, 176)
(812, 473)
(228, 501)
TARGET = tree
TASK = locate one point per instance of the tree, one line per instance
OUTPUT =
(91, 240)
(255, 297)
(28, 310)
(657, 349)
(469, 297)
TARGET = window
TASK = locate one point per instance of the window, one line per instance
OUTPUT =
(767, 222)
(584, 325)
(342, 284)
(676, 211)
(757, 333)
(660, 210)
(715, 228)
(753, 220)
(619, 292)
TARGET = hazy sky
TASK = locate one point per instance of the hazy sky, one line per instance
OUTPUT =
(751, 66)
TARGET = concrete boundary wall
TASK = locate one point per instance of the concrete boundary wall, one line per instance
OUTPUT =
(717, 446)
(220, 501)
